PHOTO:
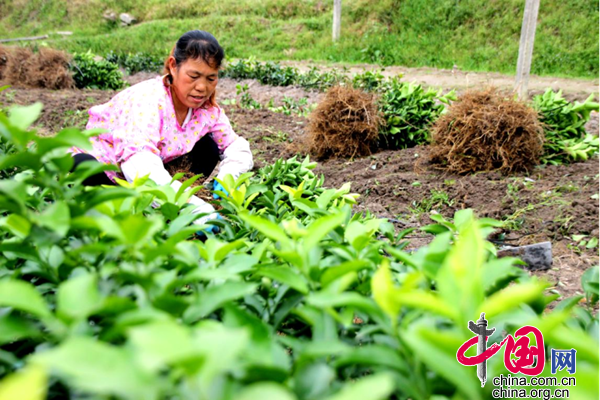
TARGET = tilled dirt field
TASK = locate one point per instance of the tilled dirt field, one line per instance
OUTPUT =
(550, 203)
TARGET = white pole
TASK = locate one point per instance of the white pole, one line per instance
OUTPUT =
(337, 19)
(526, 47)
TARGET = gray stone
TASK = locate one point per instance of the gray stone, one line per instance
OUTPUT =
(110, 15)
(537, 256)
(127, 19)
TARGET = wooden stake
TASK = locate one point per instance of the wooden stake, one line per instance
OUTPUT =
(337, 19)
(526, 47)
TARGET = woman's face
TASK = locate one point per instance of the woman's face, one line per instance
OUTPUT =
(194, 81)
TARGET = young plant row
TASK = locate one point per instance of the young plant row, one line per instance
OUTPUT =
(564, 128)
(289, 105)
(105, 293)
(94, 72)
(408, 109)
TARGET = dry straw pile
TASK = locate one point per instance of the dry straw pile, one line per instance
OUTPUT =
(486, 131)
(344, 124)
(47, 68)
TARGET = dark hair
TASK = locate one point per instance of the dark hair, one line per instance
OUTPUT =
(197, 45)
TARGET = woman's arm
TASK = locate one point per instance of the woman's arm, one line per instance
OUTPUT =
(236, 156)
(147, 163)
(236, 159)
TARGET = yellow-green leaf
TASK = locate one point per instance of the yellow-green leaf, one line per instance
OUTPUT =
(31, 383)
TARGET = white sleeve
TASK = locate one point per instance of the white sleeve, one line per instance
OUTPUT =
(237, 159)
(144, 163)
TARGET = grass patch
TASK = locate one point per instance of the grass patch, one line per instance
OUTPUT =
(472, 34)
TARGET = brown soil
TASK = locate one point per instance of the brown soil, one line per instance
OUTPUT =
(548, 203)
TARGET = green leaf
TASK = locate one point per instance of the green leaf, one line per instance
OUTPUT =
(509, 298)
(333, 273)
(30, 383)
(375, 387)
(312, 380)
(322, 348)
(97, 197)
(15, 191)
(497, 270)
(267, 228)
(264, 358)
(78, 297)
(589, 282)
(357, 230)
(265, 391)
(438, 351)
(230, 269)
(384, 291)
(321, 228)
(218, 250)
(428, 301)
(568, 303)
(14, 328)
(22, 296)
(286, 276)
(22, 160)
(325, 198)
(215, 297)
(17, 225)
(138, 229)
(56, 217)
(459, 278)
(346, 299)
(221, 348)
(373, 355)
(22, 117)
(67, 138)
(99, 368)
(161, 343)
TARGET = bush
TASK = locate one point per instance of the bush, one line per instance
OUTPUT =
(408, 111)
(564, 128)
(138, 62)
(91, 72)
(370, 81)
(272, 73)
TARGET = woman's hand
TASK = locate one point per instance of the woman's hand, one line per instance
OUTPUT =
(217, 187)
(202, 207)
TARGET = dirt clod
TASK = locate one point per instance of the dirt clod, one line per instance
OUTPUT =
(344, 124)
(486, 131)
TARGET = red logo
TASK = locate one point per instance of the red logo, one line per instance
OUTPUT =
(525, 355)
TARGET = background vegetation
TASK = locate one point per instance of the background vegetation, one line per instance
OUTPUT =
(471, 34)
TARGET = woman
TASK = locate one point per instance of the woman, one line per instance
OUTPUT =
(156, 121)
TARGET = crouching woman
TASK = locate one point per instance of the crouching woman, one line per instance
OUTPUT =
(158, 120)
